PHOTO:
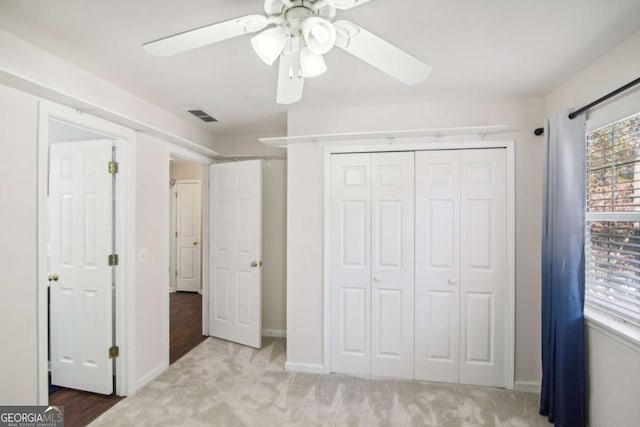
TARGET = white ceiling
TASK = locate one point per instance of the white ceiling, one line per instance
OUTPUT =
(477, 48)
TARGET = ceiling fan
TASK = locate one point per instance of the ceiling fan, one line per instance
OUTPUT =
(300, 32)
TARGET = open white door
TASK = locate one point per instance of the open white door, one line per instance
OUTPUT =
(81, 221)
(188, 212)
(235, 291)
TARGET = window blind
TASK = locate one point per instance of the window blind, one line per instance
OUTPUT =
(613, 219)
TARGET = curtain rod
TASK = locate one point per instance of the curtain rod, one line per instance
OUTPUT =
(598, 101)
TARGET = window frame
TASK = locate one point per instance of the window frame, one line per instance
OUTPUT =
(598, 318)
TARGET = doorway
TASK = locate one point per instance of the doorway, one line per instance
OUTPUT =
(185, 237)
(83, 227)
(473, 330)
(80, 261)
(81, 219)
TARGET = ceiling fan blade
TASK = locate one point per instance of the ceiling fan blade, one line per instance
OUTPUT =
(380, 53)
(347, 4)
(290, 81)
(203, 36)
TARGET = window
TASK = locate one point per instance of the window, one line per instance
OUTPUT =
(613, 220)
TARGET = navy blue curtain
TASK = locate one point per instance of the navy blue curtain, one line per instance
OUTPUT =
(563, 397)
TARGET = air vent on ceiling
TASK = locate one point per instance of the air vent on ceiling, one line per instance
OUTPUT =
(203, 115)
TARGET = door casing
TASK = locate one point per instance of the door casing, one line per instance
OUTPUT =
(124, 140)
(419, 144)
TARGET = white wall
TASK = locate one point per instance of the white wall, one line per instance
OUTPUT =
(246, 145)
(29, 68)
(38, 73)
(18, 247)
(305, 210)
(613, 381)
(151, 336)
(613, 369)
(617, 67)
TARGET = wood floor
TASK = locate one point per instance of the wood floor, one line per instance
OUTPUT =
(186, 324)
(80, 408)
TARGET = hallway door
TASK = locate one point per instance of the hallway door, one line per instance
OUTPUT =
(188, 253)
(235, 291)
(81, 279)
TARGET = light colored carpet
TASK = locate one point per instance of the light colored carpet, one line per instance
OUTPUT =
(225, 384)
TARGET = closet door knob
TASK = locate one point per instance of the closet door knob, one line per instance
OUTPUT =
(453, 282)
(377, 279)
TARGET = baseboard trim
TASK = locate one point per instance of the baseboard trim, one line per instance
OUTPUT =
(277, 333)
(528, 386)
(150, 376)
(307, 368)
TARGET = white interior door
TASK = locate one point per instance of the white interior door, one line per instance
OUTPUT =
(483, 267)
(437, 292)
(461, 272)
(372, 275)
(392, 265)
(80, 226)
(188, 220)
(235, 291)
(351, 263)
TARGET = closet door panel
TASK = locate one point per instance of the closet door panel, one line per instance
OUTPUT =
(483, 267)
(351, 263)
(392, 286)
(437, 290)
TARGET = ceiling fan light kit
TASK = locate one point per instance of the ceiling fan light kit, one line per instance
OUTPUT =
(269, 44)
(319, 35)
(311, 64)
(302, 32)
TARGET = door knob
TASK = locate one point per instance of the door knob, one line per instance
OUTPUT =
(254, 264)
(195, 243)
(53, 277)
(377, 279)
(453, 282)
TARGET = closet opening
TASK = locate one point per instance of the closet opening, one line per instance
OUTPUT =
(419, 271)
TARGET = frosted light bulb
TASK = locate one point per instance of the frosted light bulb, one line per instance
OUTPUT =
(320, 33)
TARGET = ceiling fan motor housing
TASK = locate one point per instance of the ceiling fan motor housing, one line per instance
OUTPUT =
(279, 7)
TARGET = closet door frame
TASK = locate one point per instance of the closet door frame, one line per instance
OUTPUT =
(418, 144)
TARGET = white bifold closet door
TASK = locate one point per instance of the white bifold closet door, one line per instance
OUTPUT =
(461, 245)
(372, 264)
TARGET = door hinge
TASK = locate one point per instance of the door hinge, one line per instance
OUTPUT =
(114, 351)
(113, 260)
(113, 168)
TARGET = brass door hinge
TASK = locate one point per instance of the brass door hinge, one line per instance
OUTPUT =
(114, 352)
(113, 260)
(113, 168)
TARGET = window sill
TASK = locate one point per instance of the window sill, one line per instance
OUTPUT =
(624, 333)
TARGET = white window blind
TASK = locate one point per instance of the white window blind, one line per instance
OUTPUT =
(613, 219)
